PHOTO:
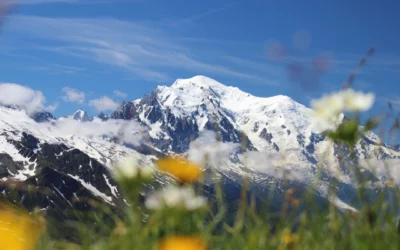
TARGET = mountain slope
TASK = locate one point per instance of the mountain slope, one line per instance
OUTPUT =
(272, 141)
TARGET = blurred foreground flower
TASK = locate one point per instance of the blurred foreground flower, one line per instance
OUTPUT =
(176, 197)
(18, 229)
(357, 101)
(329, 109)
(182, 243)
(181, 169)
(288, 238)
(128, 168)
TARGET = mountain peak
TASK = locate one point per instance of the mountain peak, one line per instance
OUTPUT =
(199, 80)
(81, 115)
(200, 87)
(203, 83)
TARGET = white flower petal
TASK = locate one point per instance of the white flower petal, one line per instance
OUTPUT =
(358, 101)
(195, 203)
(174, 197)
(146, 172)
(153, 203)
(329, 108)
(127, 168)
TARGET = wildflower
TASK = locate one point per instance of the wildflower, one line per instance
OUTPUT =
(181, 169)
(328, 110)
(294, 202)
(182, 243)
(129, 168)
(357, 101)
(288, 238)
(329, 105)
(18, 230)
(176, 197)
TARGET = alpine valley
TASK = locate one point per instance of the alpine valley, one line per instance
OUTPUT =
(63, 165)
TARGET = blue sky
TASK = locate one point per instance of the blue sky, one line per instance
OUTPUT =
(77, 51)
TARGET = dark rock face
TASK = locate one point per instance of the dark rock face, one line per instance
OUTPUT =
(181, 131)
(43, 117)
(265, 135)
(102, 116)
(256, 127)
(8, 166)
(64, 179)
(125, 111)
(29, 141)
(301, 140)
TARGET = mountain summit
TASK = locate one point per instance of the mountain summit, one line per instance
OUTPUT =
(81, 115)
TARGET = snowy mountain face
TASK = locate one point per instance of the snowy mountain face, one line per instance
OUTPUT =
(43, 117)
(79, 115)
(272, 141)
(276, 132)
(82, 116)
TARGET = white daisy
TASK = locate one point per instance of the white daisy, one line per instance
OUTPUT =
(328, 110)
(358, 101)
(176, 197)
(126, 169)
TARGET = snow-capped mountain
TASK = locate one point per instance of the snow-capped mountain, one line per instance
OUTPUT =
(271, 140)
(176, 115)
(277, 130)
(80, 115)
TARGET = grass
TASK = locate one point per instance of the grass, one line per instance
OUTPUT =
(250, 227)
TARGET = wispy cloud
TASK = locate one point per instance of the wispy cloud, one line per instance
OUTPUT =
(145, 50)
(120, 93)
(32, 2)
(395, 101)
(41, 1)
(73, 95)
(57, 68)
(199, 16)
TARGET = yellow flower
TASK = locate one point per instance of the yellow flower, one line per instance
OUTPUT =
(18, 229)
(288, 238)
(182, 243)
(183, 170)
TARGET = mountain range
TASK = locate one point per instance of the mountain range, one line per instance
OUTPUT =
(270, 141)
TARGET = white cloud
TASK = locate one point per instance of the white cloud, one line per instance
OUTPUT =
(104, 103)
(389, 169)
(274, 164)
(52, 107)
(73, 95)
(207, 148)
(21, 96)
(126, 131)
(120, 93)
